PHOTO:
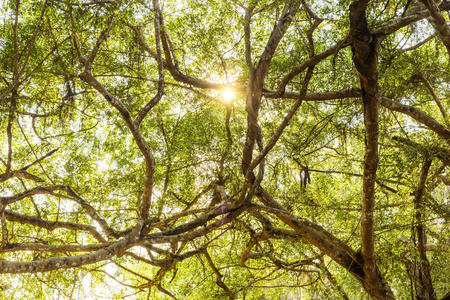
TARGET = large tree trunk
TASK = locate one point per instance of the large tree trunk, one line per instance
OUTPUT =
(365, 47)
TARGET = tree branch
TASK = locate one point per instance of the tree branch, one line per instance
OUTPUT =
(442, 28)
(52, 225)
(435, 97)
(425, 288)
(55, 263)
(417, 115)
(159, 60)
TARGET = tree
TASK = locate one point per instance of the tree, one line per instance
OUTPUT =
(225, 149)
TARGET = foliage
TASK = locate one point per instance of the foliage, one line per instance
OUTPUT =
(128, 170)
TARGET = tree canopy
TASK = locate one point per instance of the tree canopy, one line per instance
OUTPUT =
(242, 149)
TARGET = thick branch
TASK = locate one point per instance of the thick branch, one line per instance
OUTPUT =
(56, 263)
(443, 29)
(303, 66)
(414, 15)
(159, 60)
(247, 35)
(11, 117)
(283, 124)
(73, 196)
(189, 234)
(173, 69)
(139, 139)
(256, 82)
(28, 193)
(280, 28)
(314, 235)
(417, 115)
(51, 225)
(425, 289)
(54, 248)
(365, 57)
(337, 250)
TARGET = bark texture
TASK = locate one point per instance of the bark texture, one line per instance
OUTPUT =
(365, 47)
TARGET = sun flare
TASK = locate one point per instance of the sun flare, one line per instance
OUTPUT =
(228, 95)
